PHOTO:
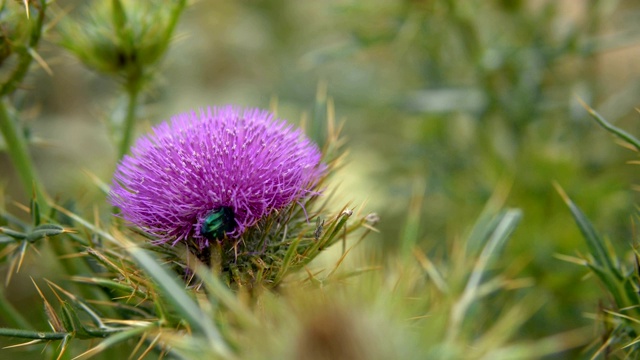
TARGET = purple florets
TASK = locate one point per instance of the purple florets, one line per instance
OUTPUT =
(242, 159)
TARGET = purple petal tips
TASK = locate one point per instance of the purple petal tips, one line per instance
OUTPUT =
(216, 172)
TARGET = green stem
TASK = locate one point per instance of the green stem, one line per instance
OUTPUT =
(611, 128)
(19, 154)
(136, 76)
(29, 334)
(133, 91)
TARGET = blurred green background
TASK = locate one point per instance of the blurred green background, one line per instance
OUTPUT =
(459, 97)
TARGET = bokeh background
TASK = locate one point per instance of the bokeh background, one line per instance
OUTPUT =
(449, 98)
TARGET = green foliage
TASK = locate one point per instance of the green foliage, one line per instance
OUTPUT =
(444, 100)
(445, 308)
(619, 314)
(132, 297)
(472, 93)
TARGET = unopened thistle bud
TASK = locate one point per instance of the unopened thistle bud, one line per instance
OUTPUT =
(123, 38)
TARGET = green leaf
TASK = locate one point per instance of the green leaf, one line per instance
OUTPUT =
(12, 220)
(35, 211)
(287, 260)
(111, 285)
(71, 321)
(344, 216)
(60, 350)
(612, 283)
(116, 338)
(46, 230)
(82, 331)
(611, 128)
(6, 239)
(507, 222)
(410, 232)
(12, 233)
(595, 244)
(218, 291)
(505, 227)
(487, 222)
(49, 227)
(119, 15)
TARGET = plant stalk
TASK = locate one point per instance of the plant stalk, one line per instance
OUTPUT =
(133, 92)
(19, 154)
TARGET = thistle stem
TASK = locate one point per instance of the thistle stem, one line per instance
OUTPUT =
(19, 154)
(133, 91)
(28, 334)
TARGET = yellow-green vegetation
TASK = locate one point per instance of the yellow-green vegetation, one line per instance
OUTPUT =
(472, 207)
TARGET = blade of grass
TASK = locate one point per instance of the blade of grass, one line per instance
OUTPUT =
(114, 339)
(221, 292)
(508, 222)
(409, 236)
(286, 261)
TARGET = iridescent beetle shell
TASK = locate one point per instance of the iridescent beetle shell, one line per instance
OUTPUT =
(218, 223)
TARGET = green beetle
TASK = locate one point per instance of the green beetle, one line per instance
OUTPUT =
(217, 223)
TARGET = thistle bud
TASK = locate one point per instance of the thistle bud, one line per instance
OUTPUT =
(17, 28)
(123, 38)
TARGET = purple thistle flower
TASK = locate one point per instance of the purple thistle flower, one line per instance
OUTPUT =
(214, 173)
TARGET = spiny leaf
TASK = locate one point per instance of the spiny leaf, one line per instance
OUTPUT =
(56, 323)
(16, 261)
(176, 295)
(342, 220)
(47, 230)
(73, 323)
(64, 345)
(110, 284)
(218, 290)
(35, 210)
(594, 242)
(115, 339)
(12, 233)
(287, 260)
(77, 302)
(611, 128)
(82, 331)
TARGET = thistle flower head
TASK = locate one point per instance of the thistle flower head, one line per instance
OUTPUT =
(214, 173)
